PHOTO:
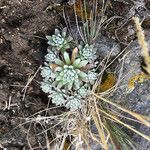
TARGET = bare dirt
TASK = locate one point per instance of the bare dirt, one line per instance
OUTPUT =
(23, 27)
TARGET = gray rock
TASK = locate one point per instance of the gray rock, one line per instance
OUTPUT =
(138, 98)
(131, 68)
(142, 142)
(106, 47)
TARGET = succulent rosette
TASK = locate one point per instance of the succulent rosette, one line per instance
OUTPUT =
(58, 98)
(87, 52)
(74, 102)
(66, 75)
(59, 40)
(51, 56)
(46, 86)
(70, 74)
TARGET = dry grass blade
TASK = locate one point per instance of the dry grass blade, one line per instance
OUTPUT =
(126, 125)
(80, 134)
(63, 142)
(28, 82)
(137, 116)
(101, 132)
(100, 127)
(77, 23)
(143, 44)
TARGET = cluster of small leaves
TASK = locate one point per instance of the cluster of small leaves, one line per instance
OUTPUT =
(88, 52)
(67, 77)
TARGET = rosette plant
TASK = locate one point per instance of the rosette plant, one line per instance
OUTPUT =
(87, 52)
(69, 72)
(60, 40)
(67, 77)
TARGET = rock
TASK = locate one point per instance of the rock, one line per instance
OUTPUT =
(106, 46)
(137, 97)
(144, 143)
(131, 70)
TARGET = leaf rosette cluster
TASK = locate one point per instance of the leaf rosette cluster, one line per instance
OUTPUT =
(67, 73)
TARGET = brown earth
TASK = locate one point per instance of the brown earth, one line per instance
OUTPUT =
(23, 27)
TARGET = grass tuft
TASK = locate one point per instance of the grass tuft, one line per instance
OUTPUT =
(143, 44)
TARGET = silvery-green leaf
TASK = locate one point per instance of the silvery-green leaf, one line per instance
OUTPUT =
(58, 102)
(50, 57)
(59, 62)
(66, 46)
(64, 32)
(92, 76)
(58, 78)
(76, 62)
(67, 58)
(82, 63)
(65, 82)
(82, 75)
(57, 31)
(54, 84)
(74, 104)
(50, 43)
(49, 38)
(46, 86)
(83, 91)
(46, 72)
(80, 47)
(70, 84)
(69, 39)
(57, 98)
(77, 84)
(65, 66)
(60, 84)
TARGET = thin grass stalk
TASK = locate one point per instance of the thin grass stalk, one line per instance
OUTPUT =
(101, 20)
(122, 138)
(63, 143)
(91, 26)
(126, 125)
(99, 118)
(123, 116)
(85, 140)
(137, 116)
(98, 122)
(77, 23)
(94, 138)
(100, 131)
(83, 22)
(66, 22)
(141, 39)
(113, 140)
(95, 19)
(86, 20)
(91, 21)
